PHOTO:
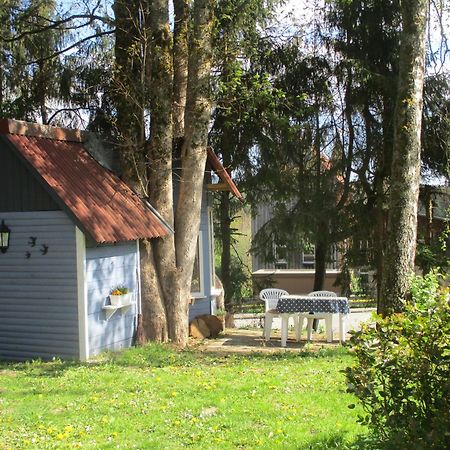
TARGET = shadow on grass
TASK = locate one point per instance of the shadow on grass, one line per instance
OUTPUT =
(154, 355)
(338, 441)
(160, 355)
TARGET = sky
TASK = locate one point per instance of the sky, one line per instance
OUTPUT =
(294, 12)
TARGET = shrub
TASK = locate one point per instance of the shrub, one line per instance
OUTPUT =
(402, 370)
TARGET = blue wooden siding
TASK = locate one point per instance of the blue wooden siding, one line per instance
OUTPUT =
(38, 293)
(108, 266)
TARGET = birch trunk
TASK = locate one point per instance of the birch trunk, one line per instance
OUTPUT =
(405, 175)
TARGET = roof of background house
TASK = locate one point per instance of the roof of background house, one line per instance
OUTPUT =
(221, 172)
(100, 203)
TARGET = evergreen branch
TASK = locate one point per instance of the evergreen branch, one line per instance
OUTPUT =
(57, 24)
(61, 110)
(66, 49)
(54, 25)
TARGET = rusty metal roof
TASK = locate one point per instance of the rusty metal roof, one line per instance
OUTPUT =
(101, 203)
(222, 173)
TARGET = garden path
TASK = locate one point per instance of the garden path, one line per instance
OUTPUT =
(250, 340)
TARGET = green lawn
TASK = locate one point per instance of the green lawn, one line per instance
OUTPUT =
(157, 398)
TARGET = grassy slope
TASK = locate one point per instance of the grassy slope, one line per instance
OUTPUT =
(154, 397)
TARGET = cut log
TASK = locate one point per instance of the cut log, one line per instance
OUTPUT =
(198, 329)
(214, 324)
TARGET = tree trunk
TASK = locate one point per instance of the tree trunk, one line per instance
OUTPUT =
(166, 264)
(320, 253)
(153, 310)
(321, 250)
(193, 161)
(180, 69)
(322, 233)
(381, 182)
(405, 175)
(160, 155)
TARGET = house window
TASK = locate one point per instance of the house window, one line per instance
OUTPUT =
(280, 251)
(197, 288)
(309, 257)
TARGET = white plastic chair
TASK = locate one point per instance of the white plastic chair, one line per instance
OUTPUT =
(328, 317)
(271, 296)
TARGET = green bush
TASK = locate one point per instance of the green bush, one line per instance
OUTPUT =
(402, 371)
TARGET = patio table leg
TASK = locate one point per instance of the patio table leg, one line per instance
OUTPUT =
(342, 330)
(309, 328)
(300, 318)
(284, 329)
(267, 326)
(329, 327)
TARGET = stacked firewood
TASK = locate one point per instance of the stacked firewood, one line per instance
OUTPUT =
(205, 326)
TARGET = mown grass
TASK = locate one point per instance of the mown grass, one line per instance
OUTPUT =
(159, 398)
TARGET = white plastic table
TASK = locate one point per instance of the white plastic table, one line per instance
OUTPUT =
(304, 305)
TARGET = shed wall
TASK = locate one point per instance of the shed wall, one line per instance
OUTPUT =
(107, 267)
(38, 292)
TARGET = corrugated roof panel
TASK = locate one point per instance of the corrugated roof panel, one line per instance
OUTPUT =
(108, 210)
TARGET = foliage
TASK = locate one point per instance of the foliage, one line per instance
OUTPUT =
(436, 125)
(41, 79)
(28, 73)
(358, 284)
(432, 250)
(402, 372)
(120, 290)
(241, 285)
(156, 397)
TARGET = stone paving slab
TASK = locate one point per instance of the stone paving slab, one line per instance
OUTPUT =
(250, 339)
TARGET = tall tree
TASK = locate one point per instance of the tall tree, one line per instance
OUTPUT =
(405, 180)
(183, 100)
(305, 164)
(365, 36)
(239, 29)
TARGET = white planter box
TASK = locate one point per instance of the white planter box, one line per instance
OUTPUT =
(121, 300)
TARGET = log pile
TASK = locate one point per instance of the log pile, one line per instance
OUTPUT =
(205, 326)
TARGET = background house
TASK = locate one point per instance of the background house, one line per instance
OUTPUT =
(73, 227)
(289, 269)
(293, 270)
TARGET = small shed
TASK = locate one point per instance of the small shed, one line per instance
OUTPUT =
(73, 230)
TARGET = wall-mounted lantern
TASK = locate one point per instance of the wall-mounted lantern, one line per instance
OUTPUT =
(4, 237)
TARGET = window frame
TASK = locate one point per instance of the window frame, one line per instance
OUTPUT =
(201, 292)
